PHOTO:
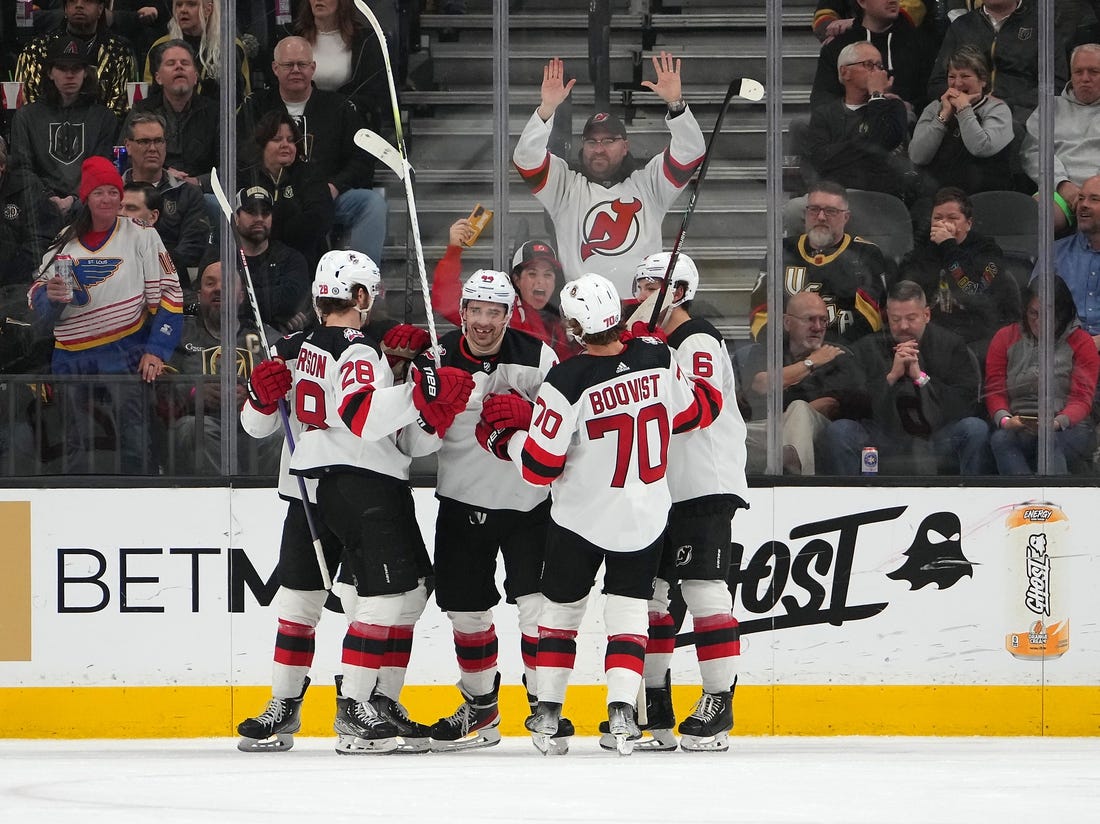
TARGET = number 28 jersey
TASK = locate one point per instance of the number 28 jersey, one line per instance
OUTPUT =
(600, 434)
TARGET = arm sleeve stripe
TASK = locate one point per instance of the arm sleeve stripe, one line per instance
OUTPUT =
(354, 410)
(677, 173)
(708, 403)
(536, 178)
(869, 308)
(539, 466)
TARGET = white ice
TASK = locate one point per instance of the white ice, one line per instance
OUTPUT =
(775, 780)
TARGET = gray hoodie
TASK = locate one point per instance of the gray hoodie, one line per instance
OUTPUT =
(1076, 140)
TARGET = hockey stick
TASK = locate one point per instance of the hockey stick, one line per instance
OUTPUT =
(376, 145)
(227, 210)
(406, 178)
(749, 89)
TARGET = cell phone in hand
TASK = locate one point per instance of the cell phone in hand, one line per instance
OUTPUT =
(479, 219)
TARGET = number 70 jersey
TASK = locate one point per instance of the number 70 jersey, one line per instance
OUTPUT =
(600, 435)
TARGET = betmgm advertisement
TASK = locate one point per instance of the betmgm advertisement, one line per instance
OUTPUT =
(949, 611)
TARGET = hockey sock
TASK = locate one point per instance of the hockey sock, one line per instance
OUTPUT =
(623, 663)
(659, 648)
(395, 661)
(477, 660)
(294, 645)
(364, 648)
(717, 646)
(529, 607)
(557, 653)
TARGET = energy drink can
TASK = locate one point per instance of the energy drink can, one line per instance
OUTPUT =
(122, 159)
(869, 460)
(1039, 622)
(24, 14)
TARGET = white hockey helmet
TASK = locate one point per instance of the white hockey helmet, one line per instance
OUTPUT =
(591, 300)
(654, 266)
(340, 270)
(490, 286)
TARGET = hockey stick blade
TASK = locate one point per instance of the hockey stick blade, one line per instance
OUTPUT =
(219, 195)
(377, 146)
(751, 89)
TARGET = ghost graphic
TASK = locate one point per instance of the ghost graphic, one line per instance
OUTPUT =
(935, 556)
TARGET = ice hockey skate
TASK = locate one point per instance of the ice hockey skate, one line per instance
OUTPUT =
(273, 729)
(565, 726)
(621, 725)
(473, 725)
(657, 735)
(544, 725)
(707, 728)
(361, 729)
(411, 736)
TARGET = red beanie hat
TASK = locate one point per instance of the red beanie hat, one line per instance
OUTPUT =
(98, 171)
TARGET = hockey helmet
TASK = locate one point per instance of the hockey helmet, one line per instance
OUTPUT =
(654, 266)
(340, 270)
(591, 300)
(490, 286)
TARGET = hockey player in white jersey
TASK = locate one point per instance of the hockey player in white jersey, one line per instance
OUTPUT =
(706, 476)
(483, 511)
(607, 213)
(351, 413)
(600, 436)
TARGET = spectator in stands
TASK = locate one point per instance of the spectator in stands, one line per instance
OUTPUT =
(303, 205)
(280, 275)
(192, 124)
(1077, 258)
(857, 141)
(27, 224)
(607, 214)
(328, 122)
(1012, 388)
(53, 135)
(923, 384)
(962, 273)
(821, 382)
(536, 276)
(120, 315)
(109, 54)
(902, 48)
(1007, 32)
(141, 202)
(139, 22)
(833, 18)
(183, 227)
(198, 22)
(963, 138)
(348, 55)
(1076, 140)
(193, 412)
(848, 272)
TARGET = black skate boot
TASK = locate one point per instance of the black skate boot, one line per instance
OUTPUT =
(565, 726)
(621, 724)
(543, 724)
(707, 728)
(411, 736)
(660, 719)
(473, 725)
(273, 729)
(360, 728)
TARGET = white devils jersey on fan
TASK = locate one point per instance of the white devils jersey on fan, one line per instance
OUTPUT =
(350, 410)
(467, 473)
(600, 435)
(707, 461)
(608, 229)
(259, 425)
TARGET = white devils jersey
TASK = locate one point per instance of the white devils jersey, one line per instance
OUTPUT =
(707, 461)
(600, 435)
(259, 425)
(349, 408)
(467, 473)
(608, 229)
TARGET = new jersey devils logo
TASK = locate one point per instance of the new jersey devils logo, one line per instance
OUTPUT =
(610, 228)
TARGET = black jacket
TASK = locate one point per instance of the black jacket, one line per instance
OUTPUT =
(304, 211)
(282, 284)
(859, 148)
(192, 134)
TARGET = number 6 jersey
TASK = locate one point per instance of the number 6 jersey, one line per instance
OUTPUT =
(600, 434)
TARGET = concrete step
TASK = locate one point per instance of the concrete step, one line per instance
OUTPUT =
(457, 65)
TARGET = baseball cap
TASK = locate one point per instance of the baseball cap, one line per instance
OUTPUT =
(604, 122)
(66, 50)
(535, 250)
(252, 198)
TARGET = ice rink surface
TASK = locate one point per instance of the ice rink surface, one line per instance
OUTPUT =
(775, 780)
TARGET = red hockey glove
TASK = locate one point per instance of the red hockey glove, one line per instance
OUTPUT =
(507, 411)
(269, 383)
(494, 440)
(640, 329)
(447, 385)
(404, 342)
(436, 419)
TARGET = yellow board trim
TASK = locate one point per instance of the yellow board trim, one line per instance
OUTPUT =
(198, 712)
